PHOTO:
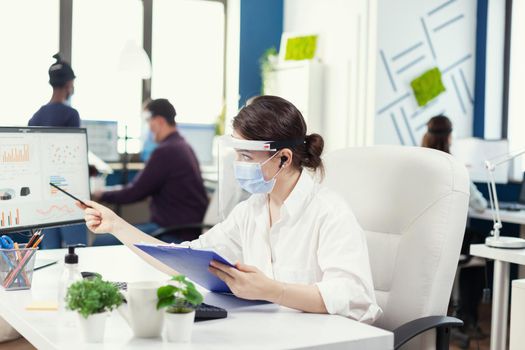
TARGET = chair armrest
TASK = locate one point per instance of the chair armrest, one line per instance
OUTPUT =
(179, 228)
(442, 324)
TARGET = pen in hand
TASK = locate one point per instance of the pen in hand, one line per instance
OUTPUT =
(69, 194)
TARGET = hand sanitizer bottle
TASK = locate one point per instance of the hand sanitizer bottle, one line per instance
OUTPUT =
(70, 275)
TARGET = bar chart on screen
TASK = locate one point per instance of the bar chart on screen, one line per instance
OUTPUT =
(14, 153)
(10, 217)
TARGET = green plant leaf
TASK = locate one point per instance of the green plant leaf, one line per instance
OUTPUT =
(179, 278)
(92, 296)
(193, 296)
(166, 291)
(179, 297)
(165, 302)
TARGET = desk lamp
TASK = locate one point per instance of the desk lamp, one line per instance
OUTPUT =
(497, 241)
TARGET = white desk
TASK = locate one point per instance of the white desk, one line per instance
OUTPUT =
(507, 216)
(510, 216)
(247, 327)
(500, 299)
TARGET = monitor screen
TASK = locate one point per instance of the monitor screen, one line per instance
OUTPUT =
(103, 139)
(31, 158)
(522, 191)
(200, 137)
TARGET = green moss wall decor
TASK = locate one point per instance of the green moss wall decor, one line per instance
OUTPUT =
(427, 86)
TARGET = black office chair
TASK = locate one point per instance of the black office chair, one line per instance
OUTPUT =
(181, 233)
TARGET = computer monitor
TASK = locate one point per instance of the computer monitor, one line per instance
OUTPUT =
(103, 139)
(31, 158)
(200, 137)
(521, 198)
(473, 152)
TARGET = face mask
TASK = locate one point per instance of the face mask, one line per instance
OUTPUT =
(251, 178)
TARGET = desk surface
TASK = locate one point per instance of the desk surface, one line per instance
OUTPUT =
(515, 256)
(247, 326)
(510, 216)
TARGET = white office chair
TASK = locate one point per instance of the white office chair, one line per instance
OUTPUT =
(412, 203)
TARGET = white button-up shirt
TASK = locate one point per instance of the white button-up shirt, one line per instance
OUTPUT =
(316, 241)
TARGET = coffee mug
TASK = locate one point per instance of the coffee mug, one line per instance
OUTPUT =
(140, 310)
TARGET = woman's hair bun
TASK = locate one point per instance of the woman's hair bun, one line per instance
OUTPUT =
(314, 149)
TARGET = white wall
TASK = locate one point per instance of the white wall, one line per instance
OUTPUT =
(347, 48)
(233, 39)
(494, 68)
(414, 36)
(517, 87)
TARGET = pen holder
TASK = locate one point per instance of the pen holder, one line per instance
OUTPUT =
(16, 267)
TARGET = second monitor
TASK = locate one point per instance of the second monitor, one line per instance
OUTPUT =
(200, 137)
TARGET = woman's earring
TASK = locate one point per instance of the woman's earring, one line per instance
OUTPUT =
(283, 160)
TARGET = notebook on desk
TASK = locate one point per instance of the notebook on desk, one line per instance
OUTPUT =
(193, 263)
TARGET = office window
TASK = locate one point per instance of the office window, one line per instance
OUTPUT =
(516, 125)
(28, 40)
(104, 88)
(188, 57)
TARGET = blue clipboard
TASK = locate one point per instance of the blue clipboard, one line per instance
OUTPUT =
(193, 263)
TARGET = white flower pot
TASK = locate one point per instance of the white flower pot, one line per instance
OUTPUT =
(93, 327)
(179, 326)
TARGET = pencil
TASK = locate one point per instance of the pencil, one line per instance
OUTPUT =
(14, 273)
(38, 242)
(18, 254)
(19, 257)
(32, 240)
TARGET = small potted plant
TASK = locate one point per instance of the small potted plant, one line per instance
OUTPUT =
(93, 299)
(180, 299)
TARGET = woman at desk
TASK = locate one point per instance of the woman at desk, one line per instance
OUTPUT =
(439, 137)
(299, 243)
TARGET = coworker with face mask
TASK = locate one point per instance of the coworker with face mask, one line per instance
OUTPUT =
(58, 112)
(296, 243)
(171, 177)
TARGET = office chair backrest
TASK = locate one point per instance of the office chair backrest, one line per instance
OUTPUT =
(412, 203)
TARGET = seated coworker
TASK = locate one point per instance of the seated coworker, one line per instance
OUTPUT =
(439, 136)
(58, 113)
(471, 279)
(296, 244)
(171, 177)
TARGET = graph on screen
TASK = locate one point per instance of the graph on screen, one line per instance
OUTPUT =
(30, 159)
(56, 211)
(10, 217)
(65, 154)
(14, 153)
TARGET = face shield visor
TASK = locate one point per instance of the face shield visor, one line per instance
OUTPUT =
(247, 167)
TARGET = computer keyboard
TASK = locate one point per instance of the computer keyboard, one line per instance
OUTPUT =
(203, 312)
(206, 312)
(511, 206)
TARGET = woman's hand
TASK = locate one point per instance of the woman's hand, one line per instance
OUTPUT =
(248, 282)
(99, 219)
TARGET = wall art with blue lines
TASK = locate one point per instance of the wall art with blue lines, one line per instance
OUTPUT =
(413, 37)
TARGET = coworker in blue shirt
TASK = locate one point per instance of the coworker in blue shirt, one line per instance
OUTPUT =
(58, 113)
